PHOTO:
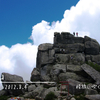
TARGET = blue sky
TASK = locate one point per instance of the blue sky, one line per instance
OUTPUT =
(18, 16)
(38, 20)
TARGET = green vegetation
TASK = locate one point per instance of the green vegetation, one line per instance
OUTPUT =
(50, 96)
(4, 97)
(94, 65)
(80, 97)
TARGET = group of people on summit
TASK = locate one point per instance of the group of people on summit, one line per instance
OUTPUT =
(76, 34)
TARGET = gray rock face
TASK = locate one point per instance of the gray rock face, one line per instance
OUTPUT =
(74, 68)
(76, 58)
(57, 69)
(86, 38)
(72, 87)
(91, 72)
(93, 97)
(35, 75)
(90, 92)
(64, 37)
(45, 72)
(13, 78)
(71, 75)
(45, 55)
(95, 58)
(91, 48)
(69, 48)
(2, 92)
(31, 88)
(45, 47)
(37, 91)
(52, 89)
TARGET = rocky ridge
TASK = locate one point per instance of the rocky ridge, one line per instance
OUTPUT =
(64, 60)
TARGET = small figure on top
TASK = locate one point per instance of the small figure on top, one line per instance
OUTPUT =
(77, 34)
(74, 33)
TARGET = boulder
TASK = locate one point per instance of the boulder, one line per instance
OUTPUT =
(57, 69)
(78, 40)
(95, 58)
(52, 89)
(48, 85)
(93, 97)
(45, 55)
(3, 92)
(11, 78)
(35, 75)
(45, 72)
(71, 75)
(37, 91)
(88, 57)
(27, 95)
(64, 38)
(69, 48)
(45, 47)
(75, 58)
(90, 92)
(73, 87)
(74, 68)
(72, 98)
(31, 88)
(91, 48)
(91, 72)
(12, 87)
(86, 38)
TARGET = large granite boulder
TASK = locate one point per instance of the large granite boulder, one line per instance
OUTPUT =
(91, 72)
(52, 89)
(35, 75)
(93, 97)
(86, 38)
(69, 48)
(74, 68)
(31, 88)
(78, 40)
(45, 54)
(64, 38)
(45, 72)
(75, 58)
(91, 48)
(57, 69)
(73, 89)
(13, 84)
(3, 92)
(95, 58)
(70, 75)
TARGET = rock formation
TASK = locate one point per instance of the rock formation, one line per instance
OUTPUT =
(66, 60)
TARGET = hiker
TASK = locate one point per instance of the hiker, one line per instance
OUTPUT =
(71, 57)
(77, 34)
(74, 33)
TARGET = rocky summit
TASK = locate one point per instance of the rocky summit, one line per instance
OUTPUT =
(68, 69)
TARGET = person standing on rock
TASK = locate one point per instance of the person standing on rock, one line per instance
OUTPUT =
(74, 33)
(77, 34)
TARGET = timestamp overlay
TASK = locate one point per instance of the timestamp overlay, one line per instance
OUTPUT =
(19, 85)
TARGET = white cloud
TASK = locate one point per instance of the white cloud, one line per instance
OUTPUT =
(20, 59)
(83, 18)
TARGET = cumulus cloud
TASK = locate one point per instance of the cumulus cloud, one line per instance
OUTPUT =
(83, 18)
(20, 59)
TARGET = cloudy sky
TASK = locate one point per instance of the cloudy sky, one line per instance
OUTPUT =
(24, 24)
